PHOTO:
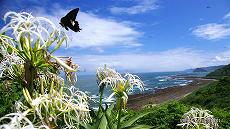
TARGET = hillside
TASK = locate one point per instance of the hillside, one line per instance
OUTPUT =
(214, 97)
(199, 70)
(219, 73)
(207, 69)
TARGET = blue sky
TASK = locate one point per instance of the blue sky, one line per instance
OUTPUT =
(140, 35)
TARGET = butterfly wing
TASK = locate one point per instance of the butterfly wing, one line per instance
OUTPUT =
(72, 14)
(68, 21)
(75, 27)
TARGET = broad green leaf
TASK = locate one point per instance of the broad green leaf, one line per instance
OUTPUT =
(138, 127)
(103, 123)
(133, 119)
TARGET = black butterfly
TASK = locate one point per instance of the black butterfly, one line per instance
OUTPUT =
(68, 21)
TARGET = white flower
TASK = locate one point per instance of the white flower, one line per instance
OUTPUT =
(196, 118)
(9, 59)
(19, 121)
(34, 27)
(121, 86)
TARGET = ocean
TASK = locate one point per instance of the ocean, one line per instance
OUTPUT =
(154, 80)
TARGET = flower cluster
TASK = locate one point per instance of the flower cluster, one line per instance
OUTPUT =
(24, 23)
(121, 86)
(19, 121)
(48, 108)
(197, 118)
(8, 61)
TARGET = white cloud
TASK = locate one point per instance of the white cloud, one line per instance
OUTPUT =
(97, 31)
(227, 16)
(171, 60)
(223, 56)
(141, 7)
(212, 31)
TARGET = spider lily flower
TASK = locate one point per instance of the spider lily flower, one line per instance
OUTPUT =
(8, 61)
(63, 64)
(51, 108)
(121, 86)
(103, 72)
(19, 121)
(197, 118)
(25, 23)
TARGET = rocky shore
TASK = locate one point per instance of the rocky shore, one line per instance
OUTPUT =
(159, 96)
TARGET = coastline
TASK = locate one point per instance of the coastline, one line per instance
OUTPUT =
(159, 96)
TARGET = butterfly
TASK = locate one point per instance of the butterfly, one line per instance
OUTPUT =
(68, 21)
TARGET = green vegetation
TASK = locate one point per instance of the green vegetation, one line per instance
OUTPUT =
(165, 116)
(219, 73)
(9, 94)
(214, 97)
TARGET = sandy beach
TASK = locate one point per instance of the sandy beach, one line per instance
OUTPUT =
(159, 96)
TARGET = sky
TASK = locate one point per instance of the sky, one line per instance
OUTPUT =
(139, 35)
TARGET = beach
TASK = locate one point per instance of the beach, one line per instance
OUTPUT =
(158, 96)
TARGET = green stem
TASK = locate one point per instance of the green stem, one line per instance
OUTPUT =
(101, 91)
(119, 112)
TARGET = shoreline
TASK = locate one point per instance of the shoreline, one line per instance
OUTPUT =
(158, 96)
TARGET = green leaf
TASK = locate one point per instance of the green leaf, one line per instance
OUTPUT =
(109, 110)
(58, 45)
(138, 127)
(124, 117)
(133, 119)
(103, 123)
(86, 126)
(37, 45)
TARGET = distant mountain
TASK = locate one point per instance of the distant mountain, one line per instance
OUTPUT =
(199, 70)
(205, 69)
(219, 73)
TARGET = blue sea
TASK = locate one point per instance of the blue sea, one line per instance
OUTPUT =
(155, 80)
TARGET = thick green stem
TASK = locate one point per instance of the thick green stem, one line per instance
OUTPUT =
(101, 92)
(119, 102)
(30, 74)
(100, 101)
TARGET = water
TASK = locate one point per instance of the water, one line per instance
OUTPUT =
(151, 81)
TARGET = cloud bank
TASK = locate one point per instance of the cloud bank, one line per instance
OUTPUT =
(171, 60)
(97, 31)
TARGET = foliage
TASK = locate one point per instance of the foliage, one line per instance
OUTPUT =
(107, 119)
(219, 73)
(9, 94)
(165, 116)
(214, 95)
